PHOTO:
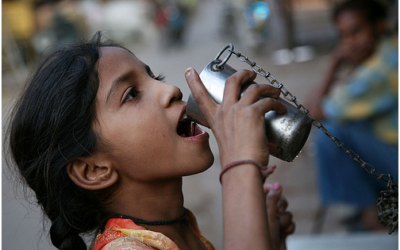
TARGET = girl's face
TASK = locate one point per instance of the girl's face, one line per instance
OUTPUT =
(137, 119)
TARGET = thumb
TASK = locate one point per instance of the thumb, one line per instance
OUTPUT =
(200, 94)
(274, 193)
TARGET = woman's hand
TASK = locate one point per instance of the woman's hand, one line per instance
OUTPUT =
(280, 221)
(238, 125)
(353, 53)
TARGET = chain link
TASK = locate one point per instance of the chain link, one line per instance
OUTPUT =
(291, 98)
(387, 202)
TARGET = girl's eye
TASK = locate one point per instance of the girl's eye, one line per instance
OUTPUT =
(131, 94)
(160, 78)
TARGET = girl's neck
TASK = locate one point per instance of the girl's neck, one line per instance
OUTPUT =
(149, 201)
(156, 201)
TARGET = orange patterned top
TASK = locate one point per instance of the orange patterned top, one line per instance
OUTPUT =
(124, 234)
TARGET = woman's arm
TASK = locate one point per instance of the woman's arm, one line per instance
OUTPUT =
(314, 103)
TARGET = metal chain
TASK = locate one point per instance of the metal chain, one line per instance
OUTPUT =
(387, 202)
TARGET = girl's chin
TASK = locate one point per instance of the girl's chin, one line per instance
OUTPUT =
(202, 163)
(209, 161)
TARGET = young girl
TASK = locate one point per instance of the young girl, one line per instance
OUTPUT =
(104, 143)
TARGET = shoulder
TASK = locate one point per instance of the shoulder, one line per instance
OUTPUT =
(124, 234)
(126, 243)
(386, 55)
(130, 239)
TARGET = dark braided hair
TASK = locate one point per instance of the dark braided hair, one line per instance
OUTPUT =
(51, 125)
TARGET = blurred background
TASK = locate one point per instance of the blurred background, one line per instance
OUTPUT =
(292, 39)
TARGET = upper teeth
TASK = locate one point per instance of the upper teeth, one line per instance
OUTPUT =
(184, 117)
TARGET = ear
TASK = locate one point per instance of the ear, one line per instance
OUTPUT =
(88, 174)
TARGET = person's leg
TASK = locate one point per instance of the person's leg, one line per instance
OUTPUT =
(381, 156)
(341, 178)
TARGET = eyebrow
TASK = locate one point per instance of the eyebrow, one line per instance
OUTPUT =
(117, 82)
(127, 76)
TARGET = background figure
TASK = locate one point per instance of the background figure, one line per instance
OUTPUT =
(358, 103)
(58, 22)
(172, 18)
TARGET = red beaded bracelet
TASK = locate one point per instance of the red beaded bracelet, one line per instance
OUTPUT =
(263, 169)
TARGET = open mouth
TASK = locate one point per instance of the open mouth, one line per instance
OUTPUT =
(188, 128)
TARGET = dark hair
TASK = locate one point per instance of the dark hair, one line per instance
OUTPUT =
(51, 125)
(373, 11)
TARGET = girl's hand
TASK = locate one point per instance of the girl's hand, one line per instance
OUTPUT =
(238, 125)
(280, 221)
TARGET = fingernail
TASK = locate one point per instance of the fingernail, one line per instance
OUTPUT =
(188, 72)
(276, 186)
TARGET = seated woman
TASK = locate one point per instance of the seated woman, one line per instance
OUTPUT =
(104, 144)
(357, 100)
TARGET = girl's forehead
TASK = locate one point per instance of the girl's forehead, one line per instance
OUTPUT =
(351, 16)
(116, 60)
(116, 53)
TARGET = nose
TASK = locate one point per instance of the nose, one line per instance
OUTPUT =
(347, 40)
(170, 94)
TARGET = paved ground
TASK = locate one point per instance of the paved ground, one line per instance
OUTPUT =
(202, 192)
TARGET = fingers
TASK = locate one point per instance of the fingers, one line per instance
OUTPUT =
(255, 91)
(233, 85)
(267, 104)
(282, 205)
(232, 92)
(276, 207)
(252, 94)
(274, 193)
(200, 93)
(233, 88)
(287, 225)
